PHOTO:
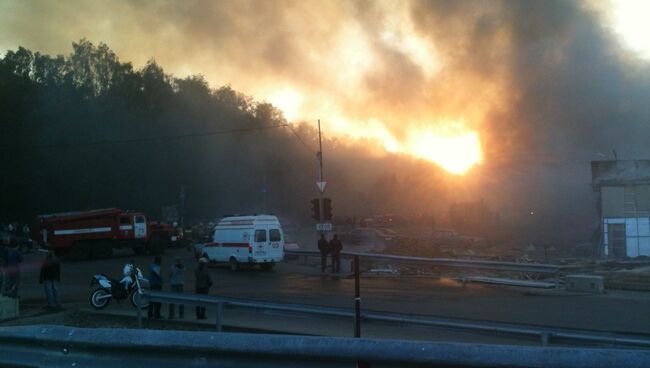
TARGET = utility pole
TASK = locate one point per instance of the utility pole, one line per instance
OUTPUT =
(181, 198)
(320, 174)
(318, 204)
(357, 299)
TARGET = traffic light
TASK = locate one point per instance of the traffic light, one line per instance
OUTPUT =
(315, 209)
(327, 209)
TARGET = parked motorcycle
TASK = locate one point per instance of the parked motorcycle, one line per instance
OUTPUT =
(132, 286)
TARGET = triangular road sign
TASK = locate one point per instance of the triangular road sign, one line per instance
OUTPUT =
(321, 185)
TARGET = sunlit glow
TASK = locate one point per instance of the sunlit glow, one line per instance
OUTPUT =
(630, 20)
(352, 57)
(418, 50)
(287, 100)
(372, 129)
(347, 107)
(449, 144)
(454, 151)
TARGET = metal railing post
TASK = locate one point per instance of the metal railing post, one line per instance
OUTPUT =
(219, 317)
(357, 299)
(544, 337)
(139, 310)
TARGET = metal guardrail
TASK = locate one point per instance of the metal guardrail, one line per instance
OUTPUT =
(60, 346)
(447, 262)
(544, 335)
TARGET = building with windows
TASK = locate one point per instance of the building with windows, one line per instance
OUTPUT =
(623, 206)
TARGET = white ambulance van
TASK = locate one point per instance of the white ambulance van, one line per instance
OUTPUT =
(246, 240)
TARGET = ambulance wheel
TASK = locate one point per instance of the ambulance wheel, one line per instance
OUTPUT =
(79, 251)
(267, 266)
(234, 265)
(103, 249)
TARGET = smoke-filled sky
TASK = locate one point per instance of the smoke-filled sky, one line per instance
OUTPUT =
(457, 82)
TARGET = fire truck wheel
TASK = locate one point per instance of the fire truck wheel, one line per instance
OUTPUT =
(103, 249)
(139, 250)
(79, 251)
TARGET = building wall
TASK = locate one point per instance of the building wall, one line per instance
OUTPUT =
(625, 201)
(613, 201)
(626, 207)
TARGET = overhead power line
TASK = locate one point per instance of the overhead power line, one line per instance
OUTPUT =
(300, 139)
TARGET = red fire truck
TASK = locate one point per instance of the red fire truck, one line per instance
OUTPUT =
(95, 233)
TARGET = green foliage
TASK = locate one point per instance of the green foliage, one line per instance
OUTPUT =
(56, 111)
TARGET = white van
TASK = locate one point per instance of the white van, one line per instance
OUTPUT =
(248, 240)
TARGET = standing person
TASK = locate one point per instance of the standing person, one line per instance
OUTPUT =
(177, 280)
(323, 246)
(14, 258)
(335, 247)
(4, 255)
(50, 277)
(26, 230)
(203, 283)
(155, 283)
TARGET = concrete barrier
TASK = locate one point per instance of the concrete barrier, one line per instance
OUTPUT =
(60, 346)
(9, 308)
(585, 283)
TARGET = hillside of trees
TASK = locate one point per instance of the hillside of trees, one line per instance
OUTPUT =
(89, 131)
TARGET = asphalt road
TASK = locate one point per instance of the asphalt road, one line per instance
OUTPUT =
(614, 311)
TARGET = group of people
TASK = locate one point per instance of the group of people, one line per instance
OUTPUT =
(49, 276)
(332, 247)
(10, 259)
(176, 274)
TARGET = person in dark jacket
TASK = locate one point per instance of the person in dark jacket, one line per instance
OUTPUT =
(155, 283)
(335, 247)
(50, 277)
(203, 284)
(177, 281)
(4, 261)
(14, 257)
(323, 247)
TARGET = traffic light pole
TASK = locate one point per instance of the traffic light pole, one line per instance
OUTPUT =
(321, 215)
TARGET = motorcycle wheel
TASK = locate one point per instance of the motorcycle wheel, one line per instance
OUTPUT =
(99, 303)
(134, 299)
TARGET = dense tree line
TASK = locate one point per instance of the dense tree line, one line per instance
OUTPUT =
(89, 131)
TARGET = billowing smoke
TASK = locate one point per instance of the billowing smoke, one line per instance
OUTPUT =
(544, 84)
